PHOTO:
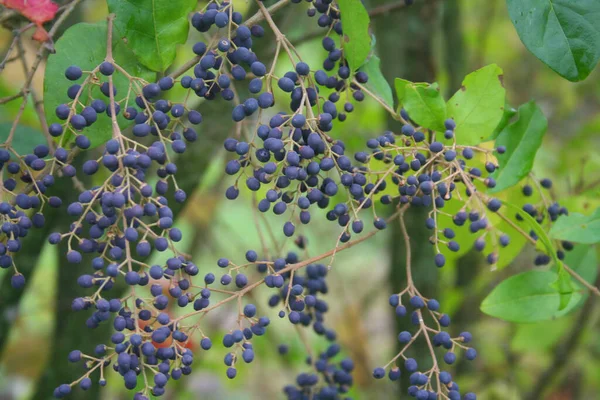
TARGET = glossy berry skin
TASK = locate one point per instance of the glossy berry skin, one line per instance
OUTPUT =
(73, 73)
(378, 373)
(302, 68)
(546, 183)
(295, 165)
(106, 68)
(417, 302)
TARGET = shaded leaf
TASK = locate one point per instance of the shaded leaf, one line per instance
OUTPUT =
(377, 83)
(583, 260)
(152, 29)
(356, 41)
(509, 112)
(85, 45)
(24, 140)
(506, 254)
(563, 34)
(562, 284)
(540, 336)
(522, 140)
(477, 107)
(577, 228)
(526, 297)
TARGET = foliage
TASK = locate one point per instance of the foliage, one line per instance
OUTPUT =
(122, 132)
(478, 106)
(85, 45)
(564, 34)
(152, 29)
(522, 138)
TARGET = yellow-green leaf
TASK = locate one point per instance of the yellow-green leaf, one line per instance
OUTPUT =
(423, 103)
(477, 107)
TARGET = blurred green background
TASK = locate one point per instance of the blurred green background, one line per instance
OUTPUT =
(431, 41)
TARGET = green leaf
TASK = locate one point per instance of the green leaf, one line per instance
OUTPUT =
(377, 83)
(463, 237)
(562, 285)
(539, 231)
(540, 336)
(584, 261)
(356, 40)
(152, 29)
(24, 140)
(509, 112)
(400, 86)
(423, 103)
(526, 297)
(577, 228)
(522, 140)
(506, 254)
(477, 107)
(563, 34)
(85, 45)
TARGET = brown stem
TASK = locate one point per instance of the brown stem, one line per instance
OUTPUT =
(37, 102)
(16, 35)
(585, 283)
(289, 268)
(10, 98)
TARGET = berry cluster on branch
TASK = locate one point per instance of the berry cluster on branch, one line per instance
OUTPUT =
(287, 158)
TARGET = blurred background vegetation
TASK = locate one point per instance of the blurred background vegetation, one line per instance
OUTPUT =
(434, 40)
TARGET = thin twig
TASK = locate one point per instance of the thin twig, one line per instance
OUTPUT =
(255, 19)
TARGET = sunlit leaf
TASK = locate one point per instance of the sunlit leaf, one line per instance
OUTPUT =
(477, 107)
(356, 41)
(423, 103)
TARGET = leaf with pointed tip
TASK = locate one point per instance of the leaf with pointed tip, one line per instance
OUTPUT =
(377, 83)
(509, 112)
(356, 40)
(527, 297)
(522, 139)
(561, 285)
(152, 29)
(563, 34)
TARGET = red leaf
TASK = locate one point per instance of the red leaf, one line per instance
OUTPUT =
(37, 11)
(40, 34)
